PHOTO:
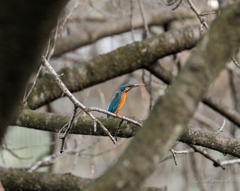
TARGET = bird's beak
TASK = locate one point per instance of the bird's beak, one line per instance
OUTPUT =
(137, 85)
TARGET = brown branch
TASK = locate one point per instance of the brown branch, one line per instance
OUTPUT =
(23, 36)
(216, 163)
(53, 123)
(19, 180)
(76, 102)
(126, 59)
(215, 104)
(38, 181)
(87, 33)
(172, 111)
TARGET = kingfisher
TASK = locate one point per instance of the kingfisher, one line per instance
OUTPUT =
(119, 98)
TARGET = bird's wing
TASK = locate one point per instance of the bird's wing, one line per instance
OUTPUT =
(114, 103)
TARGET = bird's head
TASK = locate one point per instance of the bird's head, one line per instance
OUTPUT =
(128, 87)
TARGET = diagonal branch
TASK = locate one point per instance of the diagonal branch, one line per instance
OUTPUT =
(21, 180)
(207, 155)
(87, 33)
(53, 122)
(172, 111)
(74, 100)
(215, 104)
(126, 59)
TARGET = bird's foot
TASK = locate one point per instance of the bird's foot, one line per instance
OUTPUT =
(118, 115)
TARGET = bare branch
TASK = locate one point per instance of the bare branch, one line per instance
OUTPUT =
(203, 22)
(214, 103)
(88, 34)
(24, 102)
(174, 156)
(70, 123)
(50, 122)
(216, 163)
(131, 20)
(73, 98)
(235, 62)
(14, 154)
(221, 128)
(229, 162)
(114, 115)
(144, 18)
(82, 76)
(178, 153)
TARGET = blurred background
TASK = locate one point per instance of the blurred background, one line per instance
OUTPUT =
(24, 147)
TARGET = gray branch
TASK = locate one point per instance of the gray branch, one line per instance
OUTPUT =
(25, 28)
(53, 123)
(121, 61)
(20, 180)
(88, 34)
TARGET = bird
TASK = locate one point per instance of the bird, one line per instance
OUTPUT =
(119, 98)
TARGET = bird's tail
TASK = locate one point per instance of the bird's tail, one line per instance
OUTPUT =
(107, 118)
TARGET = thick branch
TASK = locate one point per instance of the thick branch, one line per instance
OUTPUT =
(39, 181)
(123, 60)
(230, 113)
(88, 34)
(172, 111)
(25, 28)
(19, 180)
(53, 123)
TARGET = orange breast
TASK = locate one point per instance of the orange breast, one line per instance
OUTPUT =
(123, 97)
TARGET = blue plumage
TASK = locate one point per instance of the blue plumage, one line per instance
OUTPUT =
(114, 103)
(120, 94)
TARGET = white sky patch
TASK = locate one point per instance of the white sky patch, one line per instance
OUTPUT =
(213, 3)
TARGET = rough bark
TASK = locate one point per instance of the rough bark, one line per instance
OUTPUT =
(173, 110)
(39, 181)
(215, 104)
(25, 28)
(20, 180)
(54, 122)
(123, 60)
(88, 34)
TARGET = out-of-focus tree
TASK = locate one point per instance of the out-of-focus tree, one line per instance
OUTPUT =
(180, 94)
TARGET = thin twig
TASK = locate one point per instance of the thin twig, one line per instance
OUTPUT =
(46, 161)
(83, 155)
(221, 128)
(228, 162)
(70, 123)
(15, 155)
(24, 102)
(172, 2)
(131, 20)
(118, 129)
(113, 115)
(150, 92)
(177, 5)
(74, 99)
(101, 11)
(174, 156)
(216, 163)
(48, 56)
(192, 6)
(68, 15)
(235, 62)
(208, 13)
(32, 146)
(178, 153)
(51, 50)
(144, 18)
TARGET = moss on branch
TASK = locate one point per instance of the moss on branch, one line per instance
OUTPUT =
(88, 34)
(121, 61)
(54, 122)
(40, 181)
